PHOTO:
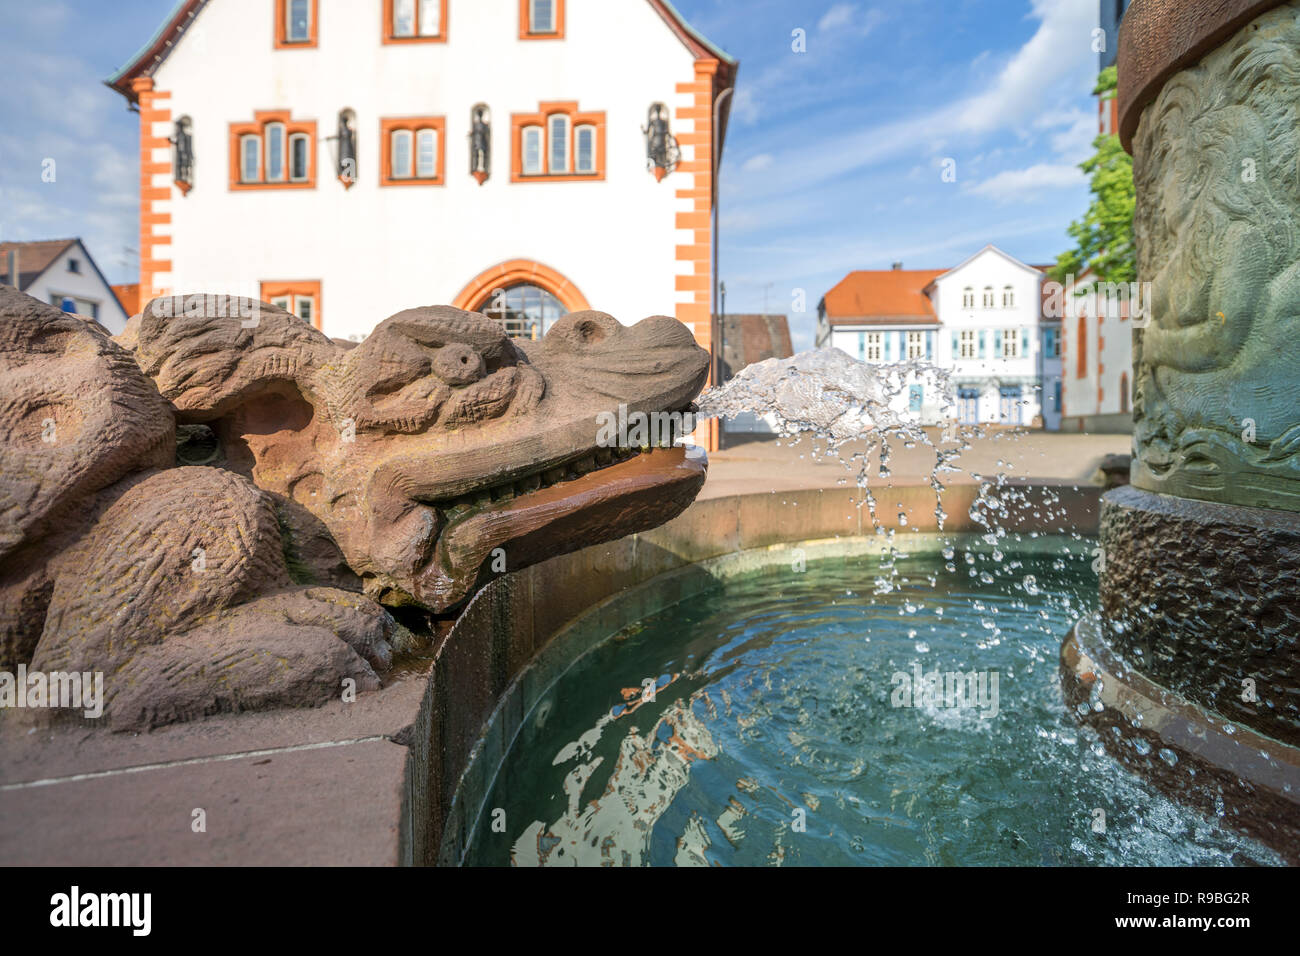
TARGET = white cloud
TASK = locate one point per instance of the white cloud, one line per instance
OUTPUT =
(1057, 59)
(840, 15)
(843, 16)
(756, 164)
(1074, 142)
(1019, 185)
(744, 105)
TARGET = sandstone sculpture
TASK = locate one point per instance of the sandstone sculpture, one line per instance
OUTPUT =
(1217, 374)
(339, 483)
(1191, 672)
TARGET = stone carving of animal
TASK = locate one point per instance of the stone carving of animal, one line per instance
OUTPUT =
(344, 482)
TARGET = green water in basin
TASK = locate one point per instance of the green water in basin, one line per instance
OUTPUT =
(787, 725)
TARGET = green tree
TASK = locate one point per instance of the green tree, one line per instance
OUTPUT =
(1104, 236)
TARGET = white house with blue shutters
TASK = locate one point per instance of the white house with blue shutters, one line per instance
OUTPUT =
(981, 320)
(990, 307)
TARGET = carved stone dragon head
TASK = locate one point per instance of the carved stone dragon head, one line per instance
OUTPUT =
(439, 445)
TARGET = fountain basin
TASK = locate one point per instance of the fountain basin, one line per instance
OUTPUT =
(388, 766)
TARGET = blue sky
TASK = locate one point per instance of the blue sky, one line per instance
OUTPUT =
(833, 161)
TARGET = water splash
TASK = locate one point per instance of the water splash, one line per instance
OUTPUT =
(851, 410)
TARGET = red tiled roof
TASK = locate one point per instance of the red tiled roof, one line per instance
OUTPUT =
(129, 298)
(883, 297)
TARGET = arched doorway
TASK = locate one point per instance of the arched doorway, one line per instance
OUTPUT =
(525, 296)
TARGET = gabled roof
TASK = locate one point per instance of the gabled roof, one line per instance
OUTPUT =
(989, 248)
(33, 259)
(882, 297)
(159, 46)
(150, 56)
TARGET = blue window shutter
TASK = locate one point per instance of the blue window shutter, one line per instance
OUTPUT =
(956, 346)
(981, 343)
(929, 346)
(1024, 342)
(862, 345)
(997, 343)
(886, 337)
(902, 346)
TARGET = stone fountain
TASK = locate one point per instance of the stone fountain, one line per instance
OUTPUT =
(1192, 672)
(326, 496)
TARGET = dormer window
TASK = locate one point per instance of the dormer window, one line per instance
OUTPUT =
(295, 23)
(541, 19)
(413, 21)
(558, 143)
(413, 151)
(273, 152)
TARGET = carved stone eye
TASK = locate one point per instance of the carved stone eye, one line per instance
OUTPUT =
(458, 364)
(584, 328)
(589, 331)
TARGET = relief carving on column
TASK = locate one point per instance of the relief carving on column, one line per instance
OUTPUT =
(1217, 225)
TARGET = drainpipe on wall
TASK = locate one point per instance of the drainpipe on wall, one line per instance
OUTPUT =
(717, 344)
(13, 269)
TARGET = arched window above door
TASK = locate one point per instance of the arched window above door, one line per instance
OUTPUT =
(527, 311)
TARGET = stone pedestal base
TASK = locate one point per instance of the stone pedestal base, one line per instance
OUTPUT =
(1221, 768)
(1203, 599)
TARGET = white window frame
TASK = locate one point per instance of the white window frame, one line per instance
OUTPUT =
(988, 297)
(1011, 344)
(578, 132)
(306, 157)
(538, 135)
(244, 142)
(1008, 297)
(289, 36)
(915, 345)
(399, 8)
(551, 143)
(274, 155)
(293, 303)
(428, 10)
(534, 24)
(875, 346)
(395, 171)
(968, 297)
(430, 135)
(968, 344)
